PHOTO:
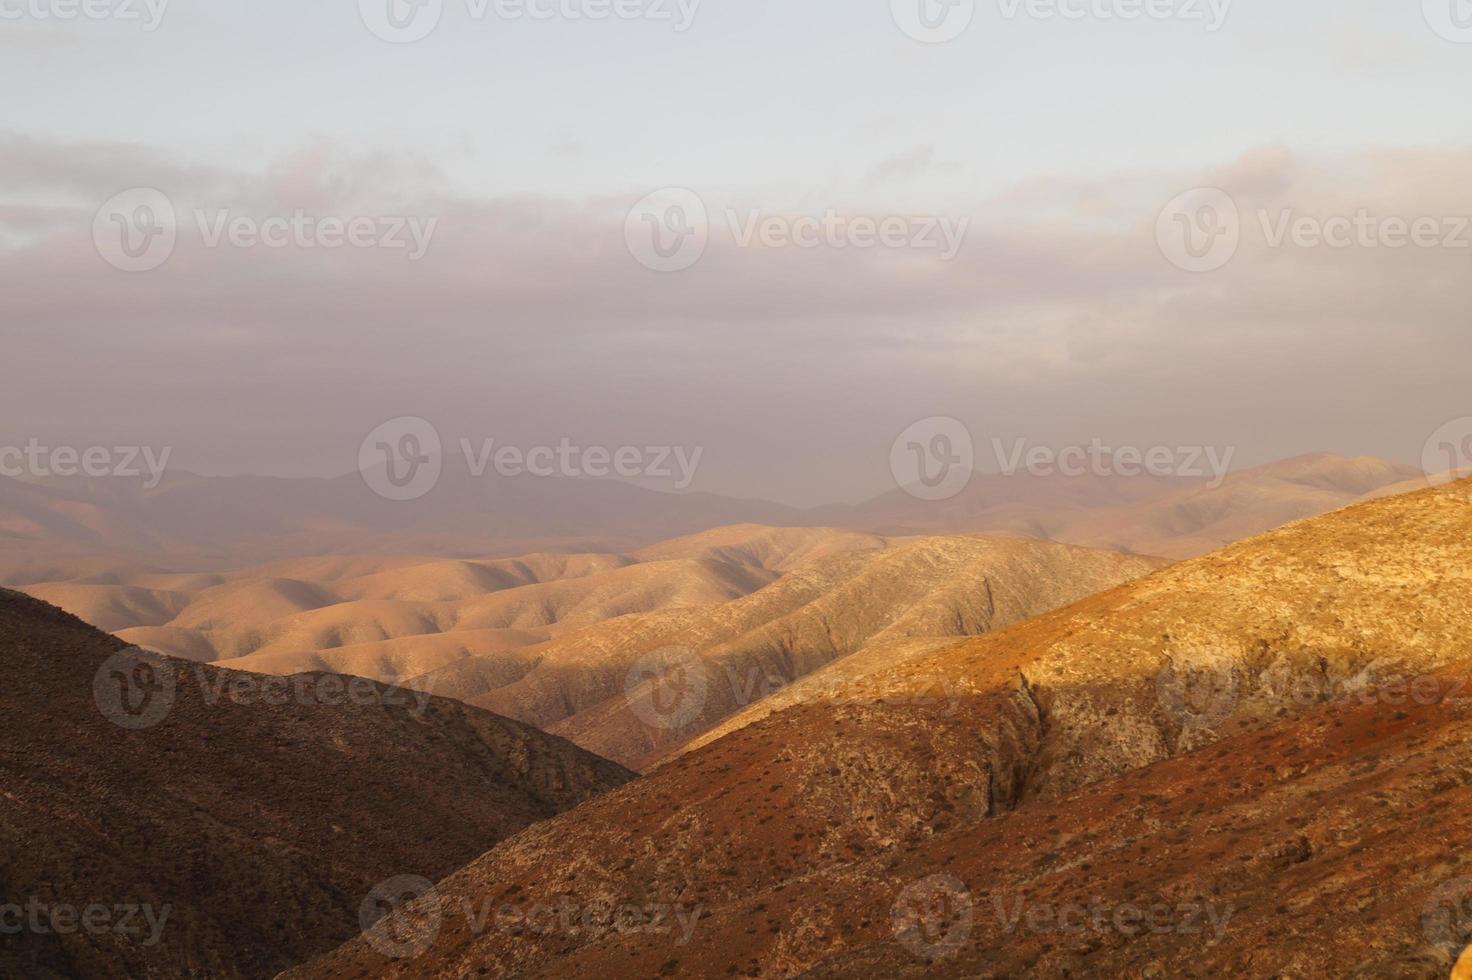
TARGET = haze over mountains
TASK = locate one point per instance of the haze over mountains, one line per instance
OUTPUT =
(207, 523)
(1269, 743)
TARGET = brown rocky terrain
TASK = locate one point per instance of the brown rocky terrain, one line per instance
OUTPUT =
(1263, 751)
(635, 688)
(249, 816)
(391, 617)
(558, 640)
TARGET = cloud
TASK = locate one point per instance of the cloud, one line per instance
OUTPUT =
(910, 164)
(529, 319)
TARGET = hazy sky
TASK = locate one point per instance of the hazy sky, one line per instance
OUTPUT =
(1056, 139)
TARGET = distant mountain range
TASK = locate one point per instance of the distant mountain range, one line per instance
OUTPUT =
(199, 523)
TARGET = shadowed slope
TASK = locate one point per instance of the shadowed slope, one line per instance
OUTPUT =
(259, 817)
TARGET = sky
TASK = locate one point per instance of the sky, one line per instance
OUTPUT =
(1046, 139)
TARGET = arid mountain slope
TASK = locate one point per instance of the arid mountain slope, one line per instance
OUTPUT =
(362, 614)
(605, 687)
(554, 639)
(1276, 728)
(254, 813)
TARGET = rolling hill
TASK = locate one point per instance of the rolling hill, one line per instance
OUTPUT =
(556, 640)
(1254, 754)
